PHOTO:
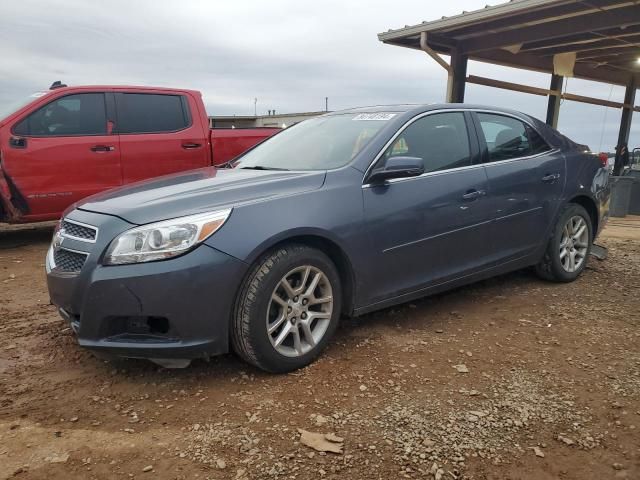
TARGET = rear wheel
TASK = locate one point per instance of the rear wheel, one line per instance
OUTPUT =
(568, 249)
(287, 309)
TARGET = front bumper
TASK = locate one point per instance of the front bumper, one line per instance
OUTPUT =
(173, 309)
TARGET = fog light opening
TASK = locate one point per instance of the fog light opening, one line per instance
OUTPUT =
(158, 325)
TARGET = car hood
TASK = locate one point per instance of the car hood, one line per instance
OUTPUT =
(198, 191)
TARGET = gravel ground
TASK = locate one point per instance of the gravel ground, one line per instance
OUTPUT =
(511, 378)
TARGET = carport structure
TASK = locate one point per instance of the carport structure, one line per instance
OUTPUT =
(590, 39)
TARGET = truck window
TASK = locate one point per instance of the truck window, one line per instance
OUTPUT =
(151, 113)
(72, 115)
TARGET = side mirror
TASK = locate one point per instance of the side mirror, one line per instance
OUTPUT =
(397, 167)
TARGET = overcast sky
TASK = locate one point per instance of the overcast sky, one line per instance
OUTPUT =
(289, 54)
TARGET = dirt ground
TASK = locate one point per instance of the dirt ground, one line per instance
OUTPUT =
(511, 378)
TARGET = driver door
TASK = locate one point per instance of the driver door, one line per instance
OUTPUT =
(63, 152)
(433, 228)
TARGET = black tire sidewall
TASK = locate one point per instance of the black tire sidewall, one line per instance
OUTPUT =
(557, 269)
(266, 355)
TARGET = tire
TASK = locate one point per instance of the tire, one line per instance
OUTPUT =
(556, 267)
(264, 299)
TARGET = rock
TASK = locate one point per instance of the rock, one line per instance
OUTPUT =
(73, 419)
(221, 464)
(538, 452)
(320, 420)
(57, 458)
(461, 368)
(618, 466)
(566, 440)
(321, 442)
(363, 388)
(148, 468)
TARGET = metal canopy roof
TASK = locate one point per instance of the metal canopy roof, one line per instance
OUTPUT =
(604, 34)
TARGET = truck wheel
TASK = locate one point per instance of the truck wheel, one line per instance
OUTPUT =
(568, 250)
(287, 309)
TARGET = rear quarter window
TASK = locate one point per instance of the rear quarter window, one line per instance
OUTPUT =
(151, 113)
(509, 138)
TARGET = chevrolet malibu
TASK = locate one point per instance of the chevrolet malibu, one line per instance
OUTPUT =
(343, 214)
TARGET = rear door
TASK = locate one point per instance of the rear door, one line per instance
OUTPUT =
(159, 134)
(526, 181)
(429, 229)
(63, 152)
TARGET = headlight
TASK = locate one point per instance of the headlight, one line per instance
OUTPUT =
(162, 240)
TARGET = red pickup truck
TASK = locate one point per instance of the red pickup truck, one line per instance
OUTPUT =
(71, 142)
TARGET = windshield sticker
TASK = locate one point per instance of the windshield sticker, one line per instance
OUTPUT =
(375, 116)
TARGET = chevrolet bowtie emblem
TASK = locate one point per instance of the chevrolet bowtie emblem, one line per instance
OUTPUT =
(58, 238)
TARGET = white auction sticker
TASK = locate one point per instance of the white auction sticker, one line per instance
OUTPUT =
(375, 116)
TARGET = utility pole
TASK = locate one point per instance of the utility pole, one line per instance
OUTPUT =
(255, 107)
(326, 104)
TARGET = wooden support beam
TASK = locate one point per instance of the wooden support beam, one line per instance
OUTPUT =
(600, 20)
(516, 87)
(603, 44)
(489, 82)
(583, 38)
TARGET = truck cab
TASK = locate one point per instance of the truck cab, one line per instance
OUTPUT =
(72, 142)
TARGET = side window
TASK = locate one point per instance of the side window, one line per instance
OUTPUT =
(151, 113)
(441, 140)
(509, 138)
(537, 143)
(73, 115)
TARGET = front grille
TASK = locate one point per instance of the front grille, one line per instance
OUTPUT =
(79, 231)
(68, 261)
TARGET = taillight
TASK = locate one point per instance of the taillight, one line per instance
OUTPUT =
(604, 158)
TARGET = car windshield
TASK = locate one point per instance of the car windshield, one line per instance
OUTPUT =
(8, 108)
(321, 143)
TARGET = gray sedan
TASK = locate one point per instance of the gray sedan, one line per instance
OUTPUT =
(340, 215)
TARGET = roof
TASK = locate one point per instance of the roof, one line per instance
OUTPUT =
(416, 108)
(277, 115)
(604, 34)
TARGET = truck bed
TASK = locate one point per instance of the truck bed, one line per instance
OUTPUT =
(228, 143)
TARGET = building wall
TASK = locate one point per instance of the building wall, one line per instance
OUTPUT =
(261, 120)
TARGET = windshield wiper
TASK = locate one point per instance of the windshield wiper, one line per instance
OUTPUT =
(262, 167)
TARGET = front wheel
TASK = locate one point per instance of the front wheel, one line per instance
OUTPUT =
(287, 309)
(568, 250)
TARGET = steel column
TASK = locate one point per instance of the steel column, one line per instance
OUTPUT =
(625, 122)
(553, 107)
(457, 77)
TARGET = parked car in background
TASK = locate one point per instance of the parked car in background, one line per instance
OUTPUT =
(339, 215)
(71, 142)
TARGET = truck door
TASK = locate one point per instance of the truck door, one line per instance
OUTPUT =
(61, 153)
(159, 134)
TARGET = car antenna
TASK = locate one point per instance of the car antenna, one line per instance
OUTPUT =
(57, 84)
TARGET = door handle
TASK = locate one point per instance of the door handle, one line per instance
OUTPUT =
(473, 195)
(102, 148)
(15, 142)
(550, 177)
(191, 146)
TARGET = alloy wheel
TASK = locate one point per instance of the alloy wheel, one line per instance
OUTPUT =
(574, 244)
(299, 311)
